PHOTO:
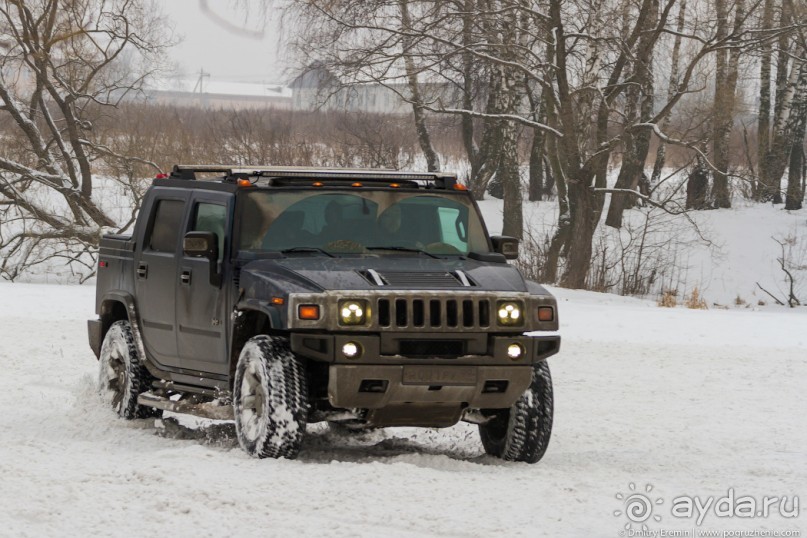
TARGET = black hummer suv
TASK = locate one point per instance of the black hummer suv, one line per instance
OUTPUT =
(282, 296)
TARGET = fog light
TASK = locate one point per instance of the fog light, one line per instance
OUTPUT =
(514, 351)
(351, 350)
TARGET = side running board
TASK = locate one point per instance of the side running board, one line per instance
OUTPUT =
(213, 410)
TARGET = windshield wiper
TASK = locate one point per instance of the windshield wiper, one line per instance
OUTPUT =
(405, 249)
(307, 249)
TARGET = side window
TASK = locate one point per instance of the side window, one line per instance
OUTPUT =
(211, 218)
(452, 227)
(165, 227)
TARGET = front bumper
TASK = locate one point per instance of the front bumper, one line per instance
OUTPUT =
(431, 391)
(444, 349)
(424, 395)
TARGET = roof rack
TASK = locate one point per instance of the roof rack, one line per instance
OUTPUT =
(295, 175)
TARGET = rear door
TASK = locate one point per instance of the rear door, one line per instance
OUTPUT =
(201, 306)
(156, 274)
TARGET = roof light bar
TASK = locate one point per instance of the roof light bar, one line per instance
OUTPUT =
(293, 176)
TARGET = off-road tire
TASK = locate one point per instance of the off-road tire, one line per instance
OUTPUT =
(122, 375)
(522, 432)
(270, 399)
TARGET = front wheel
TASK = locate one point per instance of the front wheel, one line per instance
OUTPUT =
(270, 399)
(522, 432)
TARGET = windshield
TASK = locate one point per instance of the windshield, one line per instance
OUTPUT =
(337, 222)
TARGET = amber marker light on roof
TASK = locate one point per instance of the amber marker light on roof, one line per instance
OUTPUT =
(308, 311)
(244, 183)
(317, 184)
(357, 184)
(278, 300)
(460, 187)
(394, 185)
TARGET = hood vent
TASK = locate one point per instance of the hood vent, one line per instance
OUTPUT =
(418, 280)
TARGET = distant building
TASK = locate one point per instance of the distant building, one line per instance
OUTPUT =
(217, 94)
(318, 89)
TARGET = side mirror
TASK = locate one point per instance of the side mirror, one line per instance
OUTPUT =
(507, 246)
(204, 245)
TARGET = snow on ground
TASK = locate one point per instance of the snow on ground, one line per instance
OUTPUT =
(692, 402)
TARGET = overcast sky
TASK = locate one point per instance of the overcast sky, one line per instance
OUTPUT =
(224, 42)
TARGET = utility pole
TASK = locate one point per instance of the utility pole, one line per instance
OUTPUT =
(200, 81)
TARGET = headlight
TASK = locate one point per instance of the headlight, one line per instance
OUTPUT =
(509, 313)
(353, 312)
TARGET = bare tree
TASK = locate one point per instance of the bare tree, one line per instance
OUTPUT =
(672, 87)
(424, 138)
(61, 63)
(764, 115)
(790, 84)
(798, 124)
(727, 62)
(638, 109)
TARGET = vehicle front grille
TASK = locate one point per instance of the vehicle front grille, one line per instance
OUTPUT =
(434, 314)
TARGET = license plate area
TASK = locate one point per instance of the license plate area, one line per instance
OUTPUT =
(439, 375)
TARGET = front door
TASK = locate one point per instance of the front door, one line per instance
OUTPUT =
(201, 305)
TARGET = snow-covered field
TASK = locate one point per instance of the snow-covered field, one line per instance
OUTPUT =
(691, 402)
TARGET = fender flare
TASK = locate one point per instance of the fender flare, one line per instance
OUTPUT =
(263, 307)
(98, 328)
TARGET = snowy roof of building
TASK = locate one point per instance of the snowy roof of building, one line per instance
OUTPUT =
(222, 87)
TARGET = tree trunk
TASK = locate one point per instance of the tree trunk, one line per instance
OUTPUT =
(469, 80)
(636, 144)
(661, 152)
(536, 184)
(774, 164)
(783, 129)
(424, 138)
(490, 148)
(725, 86)
(628, 168)
(581, 232)
(762, 190)
(697, 186)
(795, 176)
(795, 192)
(510, 178)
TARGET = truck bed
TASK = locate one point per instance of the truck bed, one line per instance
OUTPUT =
(115, 266)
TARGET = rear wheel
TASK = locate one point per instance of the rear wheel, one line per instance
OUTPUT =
(270, 399)
(522, 432)
(121, 374)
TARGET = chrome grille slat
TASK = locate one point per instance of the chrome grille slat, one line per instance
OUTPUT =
(434, 314)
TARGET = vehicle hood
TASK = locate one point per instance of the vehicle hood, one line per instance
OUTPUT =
(316, 273)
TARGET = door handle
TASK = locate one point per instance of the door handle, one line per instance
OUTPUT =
(185, 277)
(142, 270)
